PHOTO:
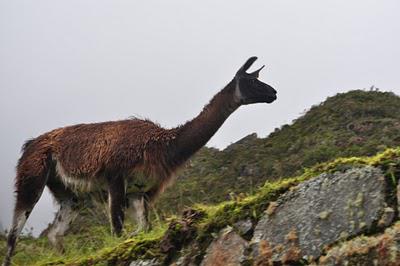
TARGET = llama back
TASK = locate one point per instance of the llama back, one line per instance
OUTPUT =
(86, 150)
(91, 149)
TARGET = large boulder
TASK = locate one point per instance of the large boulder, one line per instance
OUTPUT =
(320, 212)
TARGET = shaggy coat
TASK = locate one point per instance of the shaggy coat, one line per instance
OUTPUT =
(88, 155)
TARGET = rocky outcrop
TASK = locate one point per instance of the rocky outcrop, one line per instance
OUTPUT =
(322, 211)
(306, 224)
(319, 222)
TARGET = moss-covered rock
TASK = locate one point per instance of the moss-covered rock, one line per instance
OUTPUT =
(322, 211)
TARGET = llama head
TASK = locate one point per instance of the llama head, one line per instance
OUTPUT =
(251, 90)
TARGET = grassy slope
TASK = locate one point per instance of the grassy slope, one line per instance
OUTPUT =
(97, 247)
(356, 123)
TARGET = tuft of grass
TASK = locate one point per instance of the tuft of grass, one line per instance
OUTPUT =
(91, 246)
(144, 245)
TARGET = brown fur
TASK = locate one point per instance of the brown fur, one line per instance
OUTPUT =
(94, 151)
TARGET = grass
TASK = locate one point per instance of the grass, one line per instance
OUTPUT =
(80, 248)
(97, 246)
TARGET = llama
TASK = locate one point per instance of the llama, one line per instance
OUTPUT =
(113, 155)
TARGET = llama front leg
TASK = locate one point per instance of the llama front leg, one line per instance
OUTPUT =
(116, 202)
(138, 210)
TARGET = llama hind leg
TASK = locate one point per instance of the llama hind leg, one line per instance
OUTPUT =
(138, 210)
(65, 215)
(28, 192)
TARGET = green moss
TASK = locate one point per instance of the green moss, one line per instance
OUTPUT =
(145, 245)
(230, 212)
(94, 246)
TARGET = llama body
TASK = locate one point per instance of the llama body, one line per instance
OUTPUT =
(84, 156)
(135, 155)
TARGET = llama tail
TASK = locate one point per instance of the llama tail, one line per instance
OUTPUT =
(32, 174)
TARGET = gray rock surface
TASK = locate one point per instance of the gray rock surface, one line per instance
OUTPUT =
(152, 262)
(320, 212)
(243, 227)
(227, 250)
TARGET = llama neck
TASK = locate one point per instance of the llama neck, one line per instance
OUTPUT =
(195, 133)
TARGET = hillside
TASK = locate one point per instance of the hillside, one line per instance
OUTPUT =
(339, 225)
(356, 123)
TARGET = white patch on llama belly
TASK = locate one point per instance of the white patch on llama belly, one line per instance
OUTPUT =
(72, 182)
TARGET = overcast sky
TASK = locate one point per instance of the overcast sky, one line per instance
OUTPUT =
(68, 62)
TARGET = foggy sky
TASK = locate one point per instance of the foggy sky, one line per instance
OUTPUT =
(68, 62)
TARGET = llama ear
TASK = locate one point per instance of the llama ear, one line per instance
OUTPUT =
(246, 66)
(257, 72)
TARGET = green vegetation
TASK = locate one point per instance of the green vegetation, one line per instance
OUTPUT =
(356, 123)
(98, 247)
(93, 244)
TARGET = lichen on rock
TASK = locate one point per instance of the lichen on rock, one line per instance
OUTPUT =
(323, 210)
(383, 249)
